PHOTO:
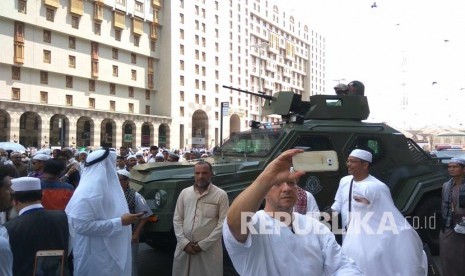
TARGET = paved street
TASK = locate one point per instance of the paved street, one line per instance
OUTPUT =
(155, 262)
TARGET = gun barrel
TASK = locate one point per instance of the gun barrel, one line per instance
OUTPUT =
(260, 94)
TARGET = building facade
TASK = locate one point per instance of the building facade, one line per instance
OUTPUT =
(143, 72)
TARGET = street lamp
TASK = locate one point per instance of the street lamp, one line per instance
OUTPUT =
(260, 46)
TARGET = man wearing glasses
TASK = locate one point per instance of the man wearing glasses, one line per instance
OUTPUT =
(358, 163)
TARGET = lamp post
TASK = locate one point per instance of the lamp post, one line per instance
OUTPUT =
(260, 47)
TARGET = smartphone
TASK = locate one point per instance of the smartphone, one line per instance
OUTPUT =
(316, 161)
(49, 263)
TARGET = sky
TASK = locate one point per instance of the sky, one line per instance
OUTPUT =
(414, 48)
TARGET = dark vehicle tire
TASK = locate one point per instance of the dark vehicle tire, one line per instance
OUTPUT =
(427, 221)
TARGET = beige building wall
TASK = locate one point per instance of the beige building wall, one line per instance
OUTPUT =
(195, 47)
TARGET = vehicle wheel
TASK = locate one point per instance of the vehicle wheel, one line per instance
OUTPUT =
(427, 221)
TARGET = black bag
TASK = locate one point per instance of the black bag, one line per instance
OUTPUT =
(433, 269)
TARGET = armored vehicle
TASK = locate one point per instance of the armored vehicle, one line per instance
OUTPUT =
(325, 123)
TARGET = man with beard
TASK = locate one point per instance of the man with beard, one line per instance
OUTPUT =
(198, 220)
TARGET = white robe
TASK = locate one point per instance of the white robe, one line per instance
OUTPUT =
(101, 244)
(275, 250)
(379, 239)
(199, 218)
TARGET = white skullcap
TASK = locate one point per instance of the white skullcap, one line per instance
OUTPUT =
(22, 184)
(457, 160)
(159, 155)
(131, 156)
(362, 154)
(41, 157)
(124, 172)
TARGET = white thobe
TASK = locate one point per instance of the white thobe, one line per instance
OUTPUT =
(274, 249)
(341, 199)
(199, 218)
(89, 241)
(6, 257)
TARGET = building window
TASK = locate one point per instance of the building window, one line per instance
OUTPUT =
(133, 74)
(16, 73)
(15, 94)
(115, 71)
(196, 98)
(131, 107)
(69, 81)
(75, 22)
(112, 89)
(181, 34)
(121, 2)
(204, 100)
(118, 34)
(147, 109)
(181, 49)
(216, 116)
(147, 94)
(139, 7)
(72, 61)
(47, 36)
(22, 6)
(181, 96)
(92, 103)
(131, 92)
(112, 105)
(43, 97)
(50, 14)
(43, 77)
(216, 102)
(47, 56)
(181, 111)
(97, 28)
(181, 18)
(133, 58)
(115, 53)
(72, 42)
(153, 45)
(136, 40)
(91, 85)
(69, 100)
(181, 65)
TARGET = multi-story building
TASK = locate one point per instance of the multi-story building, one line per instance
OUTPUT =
(143, 72)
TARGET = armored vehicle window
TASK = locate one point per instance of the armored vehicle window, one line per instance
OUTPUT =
(313, 143)
(373, 145)
(253, 143)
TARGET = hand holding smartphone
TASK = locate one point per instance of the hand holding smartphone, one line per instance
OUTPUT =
(316, 161)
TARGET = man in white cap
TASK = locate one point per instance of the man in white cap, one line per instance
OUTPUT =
(34, 228)
(99, 220)
(131, 161)
(358, 164)
(38, 163)
(136, 204)
(452, 243)
(6, 258)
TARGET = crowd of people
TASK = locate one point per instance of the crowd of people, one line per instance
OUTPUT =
(81, 205)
